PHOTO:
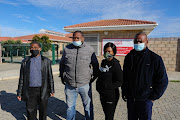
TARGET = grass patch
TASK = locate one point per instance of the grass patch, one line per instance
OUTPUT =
(175, 81)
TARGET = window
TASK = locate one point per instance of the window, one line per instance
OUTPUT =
(93, 41)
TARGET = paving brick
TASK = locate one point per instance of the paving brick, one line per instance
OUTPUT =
(166, 108)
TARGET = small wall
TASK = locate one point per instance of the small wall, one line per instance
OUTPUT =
(167, 48)
(178, 57)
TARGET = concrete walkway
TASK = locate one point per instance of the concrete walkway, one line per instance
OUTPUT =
(11, 71)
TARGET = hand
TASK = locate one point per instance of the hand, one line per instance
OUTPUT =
(62, 80)
(93, 79)
(52, 94)
(124, 97)
(19, 98)
(152, 101)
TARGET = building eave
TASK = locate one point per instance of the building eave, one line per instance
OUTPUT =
(146, 27)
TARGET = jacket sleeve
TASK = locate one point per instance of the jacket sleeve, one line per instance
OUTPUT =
(95, 65)
(118, 75)
(20, 85)
(50, 77)
(160, 80)
(61, 65)
(124, 87)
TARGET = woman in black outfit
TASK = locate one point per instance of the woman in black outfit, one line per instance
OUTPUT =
(109, 80)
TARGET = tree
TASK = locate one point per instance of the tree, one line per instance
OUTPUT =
(36, 38)
(46, 43)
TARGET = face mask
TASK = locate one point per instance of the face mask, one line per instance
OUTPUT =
(139, 47)
(77, 43)
(34, 52)
(108, 56)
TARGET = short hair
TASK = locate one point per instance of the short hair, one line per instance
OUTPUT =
(140, 33)
(35, 42)
(78, 31)
(109, 44)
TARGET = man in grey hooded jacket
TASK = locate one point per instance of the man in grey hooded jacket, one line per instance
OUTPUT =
(77, 75)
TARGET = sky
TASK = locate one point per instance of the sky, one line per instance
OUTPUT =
(25, 17)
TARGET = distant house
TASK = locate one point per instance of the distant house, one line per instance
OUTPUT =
(58, 38)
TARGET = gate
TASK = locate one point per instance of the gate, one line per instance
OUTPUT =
(15, 53)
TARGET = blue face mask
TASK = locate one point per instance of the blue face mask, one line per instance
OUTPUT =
(139, 47)
(77, 43)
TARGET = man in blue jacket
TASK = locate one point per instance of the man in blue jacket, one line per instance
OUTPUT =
(144, 79)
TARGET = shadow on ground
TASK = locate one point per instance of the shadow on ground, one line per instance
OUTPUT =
(11, 104)
(56, 108)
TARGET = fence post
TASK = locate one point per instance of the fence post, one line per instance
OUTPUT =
(24, 51)
(11, 53)
(41, 48)
(53, 54)
(0, 53)
(57, 48)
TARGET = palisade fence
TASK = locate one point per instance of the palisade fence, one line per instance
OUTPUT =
(15, 53)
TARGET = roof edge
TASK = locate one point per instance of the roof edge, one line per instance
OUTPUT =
(115, 27)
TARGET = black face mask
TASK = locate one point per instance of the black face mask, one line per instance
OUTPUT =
(34, 52)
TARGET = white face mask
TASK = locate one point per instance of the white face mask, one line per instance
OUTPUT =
(77, 43)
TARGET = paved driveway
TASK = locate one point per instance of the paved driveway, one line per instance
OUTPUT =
(166, 108)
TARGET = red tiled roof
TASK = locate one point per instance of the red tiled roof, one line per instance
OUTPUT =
(11, 38)
(69, 35)
(51, 37)
(112, 22)
(4, 38)
(25, 38)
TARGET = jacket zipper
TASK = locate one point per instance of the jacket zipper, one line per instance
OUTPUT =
(137, 76)
(76, 66)
(134, 94)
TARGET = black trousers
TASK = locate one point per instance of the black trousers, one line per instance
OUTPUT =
(141, 110)
(109, 102)
(34, 102)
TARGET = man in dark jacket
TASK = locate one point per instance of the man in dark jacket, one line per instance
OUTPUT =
(36, 83)
(144, 79)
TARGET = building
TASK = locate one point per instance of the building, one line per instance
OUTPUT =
(121, 32)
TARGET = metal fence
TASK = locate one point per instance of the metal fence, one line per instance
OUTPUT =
(15, 53)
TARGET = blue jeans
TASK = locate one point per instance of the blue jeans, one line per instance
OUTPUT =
(86, 96)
